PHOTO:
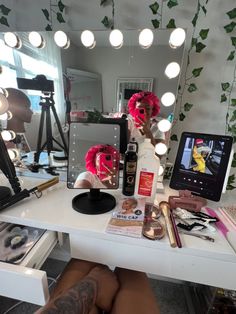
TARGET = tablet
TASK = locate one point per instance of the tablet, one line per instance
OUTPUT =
(201, 164)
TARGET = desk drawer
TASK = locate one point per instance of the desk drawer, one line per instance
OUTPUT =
(25, 282)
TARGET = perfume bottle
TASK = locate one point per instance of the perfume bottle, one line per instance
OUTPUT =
(129, 171)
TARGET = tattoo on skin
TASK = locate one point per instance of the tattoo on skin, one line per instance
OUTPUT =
(77, 300)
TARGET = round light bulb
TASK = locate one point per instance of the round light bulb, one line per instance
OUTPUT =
(177, 38)
(161, 171)
(164, 125)
(8, 135)
(88, 39)
(168, 99)
(160, 148)
(172, 70)
(4, 105)
(13, 153)
(36, 40)
(3, 116)
(116, 38)
(146, 38)
(61, 39)
(12, 40)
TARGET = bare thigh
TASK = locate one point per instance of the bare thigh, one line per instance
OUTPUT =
(135, 295)
(74, 271)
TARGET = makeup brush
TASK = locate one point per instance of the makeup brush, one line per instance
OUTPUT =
(165, 208)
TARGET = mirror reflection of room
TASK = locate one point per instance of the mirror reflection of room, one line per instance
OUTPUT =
(94, 156)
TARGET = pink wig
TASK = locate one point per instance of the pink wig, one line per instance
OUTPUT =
(90, 157)
(144, 97)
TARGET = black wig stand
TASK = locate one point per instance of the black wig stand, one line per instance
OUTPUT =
(93, 202)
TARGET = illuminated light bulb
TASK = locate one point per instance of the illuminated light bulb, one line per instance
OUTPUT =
(6, 116)
(3, 116)
(88, 39)
(13, 153)
(8, 135)
(12, 40)
(146, 38)
(168, 99)
(164, 125)
(61, 39)
(4, 105)
(177, 38)
(36, 40)
(116, 38)
(161, 171)
(172, 70)
(160, 148)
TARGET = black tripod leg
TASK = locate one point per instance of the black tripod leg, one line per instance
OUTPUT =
(60, 130)
(49, 131)
(40, 134)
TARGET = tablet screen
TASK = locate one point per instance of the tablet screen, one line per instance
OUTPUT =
(201, 164)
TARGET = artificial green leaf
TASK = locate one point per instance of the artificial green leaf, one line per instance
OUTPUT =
(196, 72)
(172, 3)
(233, 117)
(46, 14)
(232, 14)
(174, 138)
(204, 9)
(230, 187)
(194, 42)
(223, 98)
(233, 39)
(225, 86)
(200, 47)
(103, 2)
(154, 7)
(194, 21)
(4, 9)
(192, 87)
(155, 23)
(181, 116)
(234, 161)
(234, 139)
(48, 27)
(231, 179)
(230, 27)
(231, 55)
(187, 106)
(60, 18)
(171, 24)
(106, 22)
(233, 129)
(61, 5)
(4, 21)
(203, 33)
(233, 102)
(229, 128)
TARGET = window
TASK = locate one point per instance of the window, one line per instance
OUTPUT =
(28, 62)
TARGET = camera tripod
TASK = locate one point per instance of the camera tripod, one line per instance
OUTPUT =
(47, 103)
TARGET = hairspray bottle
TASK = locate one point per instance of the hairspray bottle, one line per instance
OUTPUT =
(129, 171)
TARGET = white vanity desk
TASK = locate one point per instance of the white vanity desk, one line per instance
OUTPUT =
(198, 261)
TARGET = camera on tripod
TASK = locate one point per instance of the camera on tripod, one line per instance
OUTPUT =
(41, 83)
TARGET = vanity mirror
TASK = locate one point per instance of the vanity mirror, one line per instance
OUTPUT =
(139, 68)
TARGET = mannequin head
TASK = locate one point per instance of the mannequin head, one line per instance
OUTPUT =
(19, 105)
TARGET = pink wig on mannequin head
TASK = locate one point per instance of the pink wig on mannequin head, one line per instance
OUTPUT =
(147, 98)
(90, 157)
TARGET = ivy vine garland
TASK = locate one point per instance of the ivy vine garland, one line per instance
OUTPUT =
(189, 81)
(229, 93)
(4, 11)
(55, 9)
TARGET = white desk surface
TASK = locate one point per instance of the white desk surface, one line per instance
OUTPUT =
(53, 211)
